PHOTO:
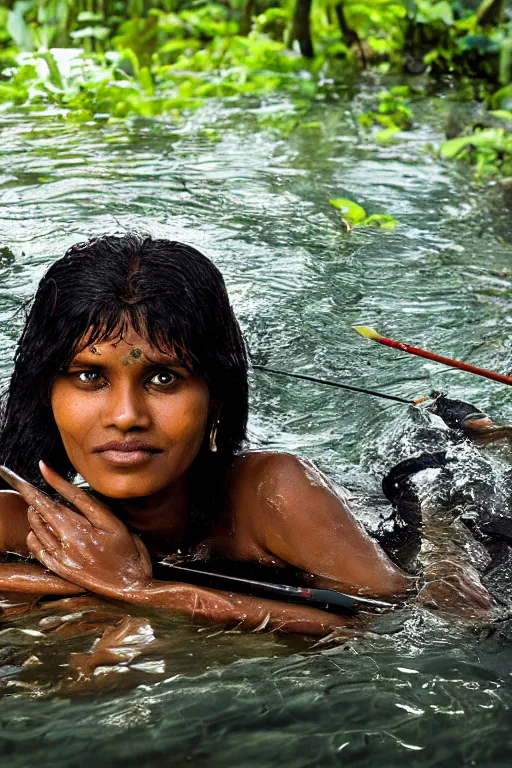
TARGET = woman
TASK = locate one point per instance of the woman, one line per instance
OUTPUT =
(131, 372)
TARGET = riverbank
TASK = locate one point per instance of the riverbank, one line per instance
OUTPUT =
(163, 64)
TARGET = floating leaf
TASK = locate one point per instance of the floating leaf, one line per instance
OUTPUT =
(350, 211)
(380, 220)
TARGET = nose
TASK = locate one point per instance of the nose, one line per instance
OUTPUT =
(125, 408)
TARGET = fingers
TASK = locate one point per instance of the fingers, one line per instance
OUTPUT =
(33, 496)
(143, 554)
(46, 558)
(50, 562)
(96, 512)
(46, 536)
(65, 524)
(49, 510)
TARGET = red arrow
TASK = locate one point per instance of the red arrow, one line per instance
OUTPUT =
(369, 333)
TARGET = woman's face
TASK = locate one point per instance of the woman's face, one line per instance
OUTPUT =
(132, 419)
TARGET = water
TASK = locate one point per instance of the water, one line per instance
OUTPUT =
(255, 198)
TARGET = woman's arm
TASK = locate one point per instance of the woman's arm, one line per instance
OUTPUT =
(96, 551)
(32, 579)
(305, 521)
(230, 609)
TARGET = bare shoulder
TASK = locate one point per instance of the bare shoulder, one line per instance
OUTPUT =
(268, 489)
(14, 525)
(267, 472)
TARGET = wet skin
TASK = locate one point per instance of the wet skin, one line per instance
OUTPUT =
(132, 425)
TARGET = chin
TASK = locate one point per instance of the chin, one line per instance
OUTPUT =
(123, 487)
(128, 491)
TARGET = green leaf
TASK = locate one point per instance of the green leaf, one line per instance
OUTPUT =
(89, 16)
(350, 211)
(99, 33)
(146, 81)
(380, 220)
(502, 98)
(491, 139)
(480, 43)
(55, 77)
(502, 114)
(443, 12)
(18, 27)
(450, 149)
(387, 135)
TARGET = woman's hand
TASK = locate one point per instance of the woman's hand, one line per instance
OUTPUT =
(93, 549)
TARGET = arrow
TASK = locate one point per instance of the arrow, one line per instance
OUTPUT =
(328, 599)
(370, 333)
(338, 384)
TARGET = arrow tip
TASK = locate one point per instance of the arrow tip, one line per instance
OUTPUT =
(367, 332)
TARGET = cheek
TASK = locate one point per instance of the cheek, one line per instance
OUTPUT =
(73, 417)
(184, 419)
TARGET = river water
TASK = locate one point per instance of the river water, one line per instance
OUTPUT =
(249, 183)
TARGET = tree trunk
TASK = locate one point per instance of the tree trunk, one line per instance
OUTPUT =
(246, 20)
(300, 30)
(491, 13)
(350, 36)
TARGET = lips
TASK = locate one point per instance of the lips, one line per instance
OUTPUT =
(126, 452)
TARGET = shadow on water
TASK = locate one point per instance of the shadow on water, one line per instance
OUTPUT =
(255, 197)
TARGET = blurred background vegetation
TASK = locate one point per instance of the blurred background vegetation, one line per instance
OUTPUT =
(100, 60)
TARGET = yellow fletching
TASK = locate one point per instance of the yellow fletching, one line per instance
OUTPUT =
(367, 332)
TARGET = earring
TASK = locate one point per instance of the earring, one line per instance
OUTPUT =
(213, 436)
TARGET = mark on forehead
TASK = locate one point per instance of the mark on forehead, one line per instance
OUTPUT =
(133, 355)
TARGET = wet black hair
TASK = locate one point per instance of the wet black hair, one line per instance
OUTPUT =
(176, 299)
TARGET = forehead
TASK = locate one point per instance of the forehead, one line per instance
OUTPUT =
(127, 341)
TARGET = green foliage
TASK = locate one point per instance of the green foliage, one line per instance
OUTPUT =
(392, 113)
(350, 211)
(490, 150)
(355, 215)
(117, 85)
(153, 57)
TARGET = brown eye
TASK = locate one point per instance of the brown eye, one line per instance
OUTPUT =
(164, 379)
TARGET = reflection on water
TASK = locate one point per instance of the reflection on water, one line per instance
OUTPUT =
(256, 200)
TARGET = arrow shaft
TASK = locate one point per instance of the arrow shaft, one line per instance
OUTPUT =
(329, 383)
(444, 360)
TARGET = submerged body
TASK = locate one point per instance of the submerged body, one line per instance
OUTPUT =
(452, 500)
